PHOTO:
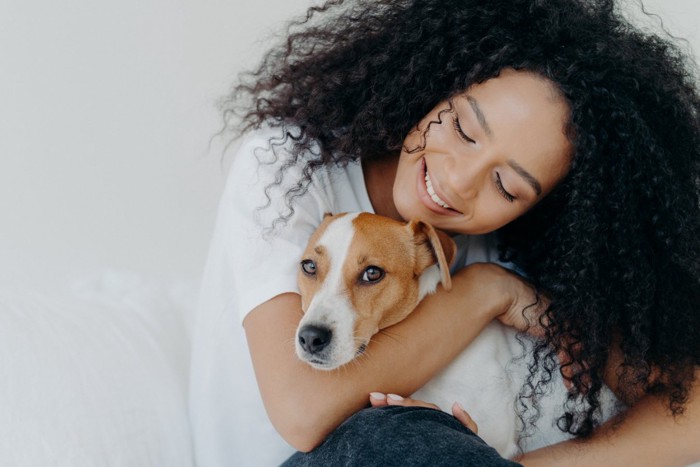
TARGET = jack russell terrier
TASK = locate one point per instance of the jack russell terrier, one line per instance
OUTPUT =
(362, 272)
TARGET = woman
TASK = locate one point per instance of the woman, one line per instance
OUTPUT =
(553, 124)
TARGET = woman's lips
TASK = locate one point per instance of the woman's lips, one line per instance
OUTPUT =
(427, 194)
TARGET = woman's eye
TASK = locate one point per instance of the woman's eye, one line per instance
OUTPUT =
(460, 132)
(372, 274)
(309, 267)
(501, 189)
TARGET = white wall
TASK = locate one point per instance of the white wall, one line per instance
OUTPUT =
(106, 110)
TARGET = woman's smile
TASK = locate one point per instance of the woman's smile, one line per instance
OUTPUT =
(431, 195)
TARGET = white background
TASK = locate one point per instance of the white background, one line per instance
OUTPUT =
(106, 114)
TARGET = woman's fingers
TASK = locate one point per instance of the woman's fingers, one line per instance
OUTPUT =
(378, 399)
(394, 399)
(567, 369)
(460, 414)
(526, 306)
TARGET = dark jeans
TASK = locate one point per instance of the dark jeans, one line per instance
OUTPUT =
(400, 436)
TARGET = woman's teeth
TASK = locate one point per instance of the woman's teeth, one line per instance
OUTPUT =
(431, 192)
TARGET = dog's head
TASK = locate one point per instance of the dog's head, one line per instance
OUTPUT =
(361, 273)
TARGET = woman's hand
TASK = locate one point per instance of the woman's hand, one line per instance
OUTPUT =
(522, 306)
(378, 399)
(524, 312)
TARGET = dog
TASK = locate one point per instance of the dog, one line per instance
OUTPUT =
(361, 273)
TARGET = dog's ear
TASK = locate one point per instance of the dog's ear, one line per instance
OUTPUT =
(433, 246)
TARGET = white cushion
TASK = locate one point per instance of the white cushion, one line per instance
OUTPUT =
(97, 377)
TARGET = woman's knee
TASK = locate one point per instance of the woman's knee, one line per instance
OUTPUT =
(399, 424)
(399, 436)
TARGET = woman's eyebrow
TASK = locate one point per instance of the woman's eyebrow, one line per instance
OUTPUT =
(532, 181)
(479, 115)
(529, 178)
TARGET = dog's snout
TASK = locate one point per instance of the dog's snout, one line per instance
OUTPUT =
(314, 339)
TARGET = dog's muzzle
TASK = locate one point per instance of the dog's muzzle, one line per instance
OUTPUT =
(325, 336)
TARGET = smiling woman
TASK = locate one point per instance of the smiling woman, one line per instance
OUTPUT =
(565, 135)
(484, 157)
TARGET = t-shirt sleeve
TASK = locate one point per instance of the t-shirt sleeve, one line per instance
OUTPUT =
(252, 258)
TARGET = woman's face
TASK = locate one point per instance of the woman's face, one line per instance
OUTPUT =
(485, 157)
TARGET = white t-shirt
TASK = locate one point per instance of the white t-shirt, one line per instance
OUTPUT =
(246, 267)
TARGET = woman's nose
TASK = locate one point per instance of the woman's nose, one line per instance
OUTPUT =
(466, 176)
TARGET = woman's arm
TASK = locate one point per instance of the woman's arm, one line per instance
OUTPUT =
(305, 404)
(646, 434)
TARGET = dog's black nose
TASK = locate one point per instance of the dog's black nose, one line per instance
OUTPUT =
(314, 339)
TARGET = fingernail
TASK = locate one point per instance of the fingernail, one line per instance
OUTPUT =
(377, 395)
(395, 397)
(459, 406)
(568, 384)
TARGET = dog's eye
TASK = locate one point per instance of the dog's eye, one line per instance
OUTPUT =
(372, 274)
(309, 267)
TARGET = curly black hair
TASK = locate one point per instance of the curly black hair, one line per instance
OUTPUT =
(616, 246)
